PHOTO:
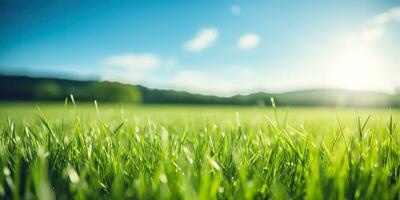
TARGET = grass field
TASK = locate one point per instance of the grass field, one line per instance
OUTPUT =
(53, 150)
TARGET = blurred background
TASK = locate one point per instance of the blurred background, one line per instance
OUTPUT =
(302, 53)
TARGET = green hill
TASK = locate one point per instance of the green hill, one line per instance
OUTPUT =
(24, 88)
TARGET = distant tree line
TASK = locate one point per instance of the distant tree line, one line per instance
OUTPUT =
(51, 89)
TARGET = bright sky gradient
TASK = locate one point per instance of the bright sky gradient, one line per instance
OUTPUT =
(213, 47)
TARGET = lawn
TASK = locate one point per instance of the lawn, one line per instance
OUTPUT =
(114, 151)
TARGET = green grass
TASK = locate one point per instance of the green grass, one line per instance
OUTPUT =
(197, 152)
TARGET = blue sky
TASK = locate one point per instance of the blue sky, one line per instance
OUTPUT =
(212, 47)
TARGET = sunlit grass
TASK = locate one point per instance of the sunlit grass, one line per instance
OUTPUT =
(208, 152)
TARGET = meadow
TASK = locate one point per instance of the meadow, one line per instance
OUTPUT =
(115, 151)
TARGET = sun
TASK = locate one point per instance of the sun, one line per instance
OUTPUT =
(356, 66)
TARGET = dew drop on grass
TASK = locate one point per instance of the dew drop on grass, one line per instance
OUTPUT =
(73, 175)
(6, 171)
(214, 164)
(163, 178)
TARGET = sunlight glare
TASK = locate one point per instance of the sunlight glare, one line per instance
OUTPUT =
(356, 66)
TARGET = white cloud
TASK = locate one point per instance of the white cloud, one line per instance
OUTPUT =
(386, 17)
(248, 41)
(133, 67)
(375, 27)
(204, 39)
(228, 82)
(133, 61)
(235, 10)
(202, 82)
